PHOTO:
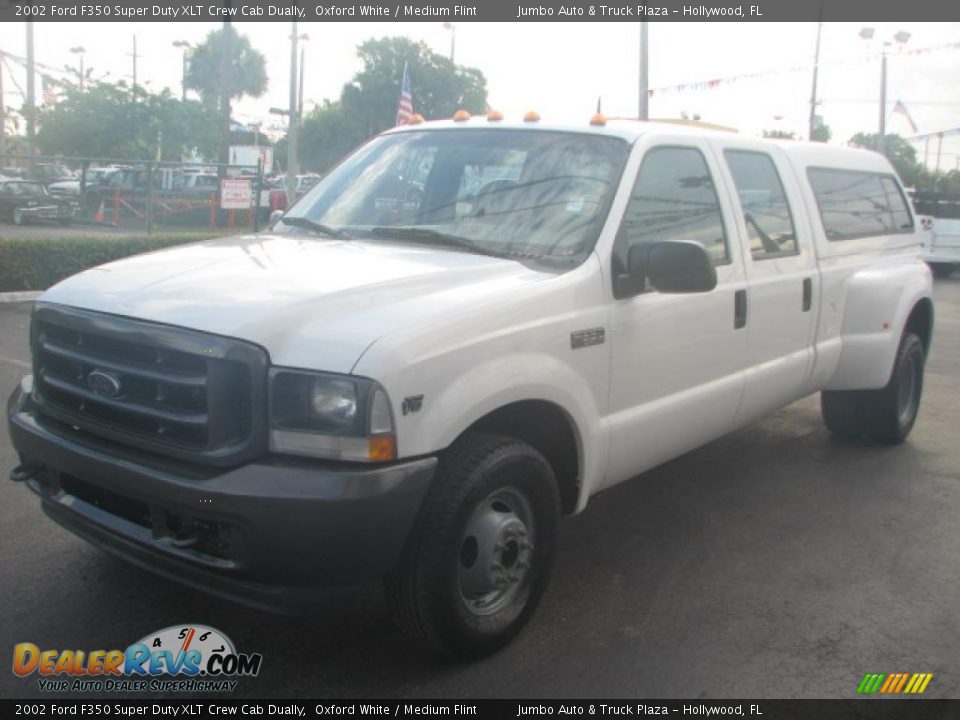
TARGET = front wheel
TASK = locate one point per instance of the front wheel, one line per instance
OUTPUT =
(886, 415)
(18, 217)
(480, 558)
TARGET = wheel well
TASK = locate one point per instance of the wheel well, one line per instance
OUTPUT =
(550, 430)
(920, 323)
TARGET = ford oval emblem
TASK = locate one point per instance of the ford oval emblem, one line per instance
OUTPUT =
(103, 383)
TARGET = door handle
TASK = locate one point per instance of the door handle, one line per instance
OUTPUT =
(739, 309)
(807, 294)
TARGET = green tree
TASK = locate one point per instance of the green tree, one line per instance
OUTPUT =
(901, 154)
(249, 68)
(821, 133)
(116, 121)
(208, 71)
(368, 103)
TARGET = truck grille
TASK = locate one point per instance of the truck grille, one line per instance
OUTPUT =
(178, 392)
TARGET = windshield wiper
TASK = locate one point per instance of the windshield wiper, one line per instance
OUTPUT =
(430, 235)
(317, 227)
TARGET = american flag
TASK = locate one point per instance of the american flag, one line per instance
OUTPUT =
(901, 109)
(405, 105)
(49, 90)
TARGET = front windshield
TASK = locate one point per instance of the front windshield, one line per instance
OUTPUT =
(25, 188)
(523, 192)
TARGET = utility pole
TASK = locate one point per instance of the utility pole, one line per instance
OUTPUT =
(31, 96)
(303, 66)
(882, 140)
(226, 85)
(3, 117)
(79, 50)
(293, 166)
(185, 47)
(644, 106)
(134, 56)
(453, 38)
(816, 68)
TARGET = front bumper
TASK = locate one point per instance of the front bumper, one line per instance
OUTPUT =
(263, 533)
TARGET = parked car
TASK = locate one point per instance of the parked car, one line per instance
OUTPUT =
(461, 334)
(278, 188)
(24, 201)
(51, 172)
(92, 179)
(195, 184)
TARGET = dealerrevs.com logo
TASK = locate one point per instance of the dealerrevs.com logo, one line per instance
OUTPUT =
(185, 658)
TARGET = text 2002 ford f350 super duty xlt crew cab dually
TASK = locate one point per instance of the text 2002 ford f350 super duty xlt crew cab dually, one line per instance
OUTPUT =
(459, 335)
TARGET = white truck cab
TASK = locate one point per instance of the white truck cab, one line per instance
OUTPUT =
(458, 336)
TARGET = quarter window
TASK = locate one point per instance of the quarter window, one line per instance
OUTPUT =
(859, 204)
(766, 212)
(673, 198)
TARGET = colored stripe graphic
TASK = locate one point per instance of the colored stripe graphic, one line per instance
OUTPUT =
(894, 683)
(870, 683)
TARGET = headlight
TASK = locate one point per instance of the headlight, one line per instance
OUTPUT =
(337, 417)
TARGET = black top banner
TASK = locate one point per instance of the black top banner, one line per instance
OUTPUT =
(479, 10)
(193, 709)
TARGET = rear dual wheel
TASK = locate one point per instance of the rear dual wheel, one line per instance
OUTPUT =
(480, 558)
(886, 415)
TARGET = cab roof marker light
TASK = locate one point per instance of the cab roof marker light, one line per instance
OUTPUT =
(461, 116)
(598, 120)
(416, 119)
(531, 116)
(494, 116)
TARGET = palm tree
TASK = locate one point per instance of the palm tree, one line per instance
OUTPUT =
(218, 82)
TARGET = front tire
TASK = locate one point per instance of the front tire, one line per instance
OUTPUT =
(886, 415)
(18, 217)
(480, 558)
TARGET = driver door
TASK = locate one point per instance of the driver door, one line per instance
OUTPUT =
(678, 360)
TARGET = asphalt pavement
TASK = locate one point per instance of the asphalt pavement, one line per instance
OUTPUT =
(774, 562)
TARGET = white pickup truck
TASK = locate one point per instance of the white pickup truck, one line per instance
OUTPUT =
(461, 334)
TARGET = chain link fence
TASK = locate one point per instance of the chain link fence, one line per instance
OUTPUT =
(136, 196)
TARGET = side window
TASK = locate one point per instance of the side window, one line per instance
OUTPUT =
(898, 205)
(673, 198)
(766, 212)
(857, 204)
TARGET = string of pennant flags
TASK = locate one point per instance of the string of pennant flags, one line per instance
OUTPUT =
(53, 77)
(715, 83)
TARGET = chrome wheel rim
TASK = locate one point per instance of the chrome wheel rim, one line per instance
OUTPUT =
(907, 391)
(496, 552)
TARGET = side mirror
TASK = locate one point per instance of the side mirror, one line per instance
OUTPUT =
(672, 266)
(274, 217)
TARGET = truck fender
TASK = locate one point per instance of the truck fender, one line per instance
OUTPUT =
(878, 304)
(495, 383)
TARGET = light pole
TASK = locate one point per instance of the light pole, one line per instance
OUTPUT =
(900, 38)
(293, 166)
(79, 50)
(186, 47)
(303, 66)
(643, 112)
(812, 126)
(453, 38)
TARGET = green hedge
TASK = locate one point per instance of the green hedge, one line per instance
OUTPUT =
(38, 263)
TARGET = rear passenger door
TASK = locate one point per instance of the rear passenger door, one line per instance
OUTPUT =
(782, 279)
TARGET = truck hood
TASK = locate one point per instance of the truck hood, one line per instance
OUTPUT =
(313, 303)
